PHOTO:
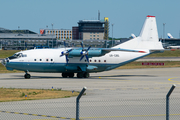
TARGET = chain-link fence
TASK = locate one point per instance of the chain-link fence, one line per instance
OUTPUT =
(136, 109)
(127, 109)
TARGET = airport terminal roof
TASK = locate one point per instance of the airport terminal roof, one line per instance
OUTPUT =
(3, 30)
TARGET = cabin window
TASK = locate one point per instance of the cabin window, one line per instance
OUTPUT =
(40, 59)
(90, 60)
(94, 60)
(99, 60)
(46, 59)
(51, 59)
(104, 60)
(34, 59)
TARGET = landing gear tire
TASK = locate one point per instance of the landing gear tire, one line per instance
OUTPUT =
(80, 75)
(86, 75)
(71, 75)
(64, 75)
(27, 76)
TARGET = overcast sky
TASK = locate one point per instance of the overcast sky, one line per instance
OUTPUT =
(128, 16)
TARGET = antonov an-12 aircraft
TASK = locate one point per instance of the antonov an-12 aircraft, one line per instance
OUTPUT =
(90, 60)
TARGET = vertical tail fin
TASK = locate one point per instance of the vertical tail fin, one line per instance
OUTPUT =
(148, 38)
(133, 36)
(169, 35)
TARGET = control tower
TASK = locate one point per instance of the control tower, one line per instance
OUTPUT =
(106, 28)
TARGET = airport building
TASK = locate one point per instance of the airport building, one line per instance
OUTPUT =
(170, 42)
(61, 34)
(25, 39)
(89, 30)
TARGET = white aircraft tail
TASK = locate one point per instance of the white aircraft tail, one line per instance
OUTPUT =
(133, 36)
(148, 38)
(169, 35)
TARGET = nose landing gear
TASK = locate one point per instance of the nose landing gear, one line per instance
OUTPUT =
(27, 76)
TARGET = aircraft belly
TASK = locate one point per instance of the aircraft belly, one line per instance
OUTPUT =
(14, 65)
(37, 67)
(45, 67)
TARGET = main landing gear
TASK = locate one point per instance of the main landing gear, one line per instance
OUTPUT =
(65, 75)
(27, 76)
(83, 75)
(79, 75)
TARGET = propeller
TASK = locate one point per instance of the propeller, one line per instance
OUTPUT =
(84, 52)
(66, 52)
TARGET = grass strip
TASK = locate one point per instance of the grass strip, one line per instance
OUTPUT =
(134, 65)
(7, 53)
(14, 94)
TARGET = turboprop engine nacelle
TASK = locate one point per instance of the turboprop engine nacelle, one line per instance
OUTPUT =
(93, 53)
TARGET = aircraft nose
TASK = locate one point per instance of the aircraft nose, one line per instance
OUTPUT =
(4, 61)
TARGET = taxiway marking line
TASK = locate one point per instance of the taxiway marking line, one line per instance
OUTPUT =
(38, 115)
(170, 79)
(129, 116)
(123, 89)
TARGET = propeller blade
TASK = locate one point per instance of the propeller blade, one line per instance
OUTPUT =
(87, 58)
(82, 45)
(67, 59)
(82, 57)
(84, 53)
(88, 48)
(62, 53)
(69, 50)
(64, 44)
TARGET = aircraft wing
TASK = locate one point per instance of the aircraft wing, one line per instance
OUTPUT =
(119, 49)
(97, 52)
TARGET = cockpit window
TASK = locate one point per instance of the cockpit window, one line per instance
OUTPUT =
(20, 55)
(17, 55)
(24, 55)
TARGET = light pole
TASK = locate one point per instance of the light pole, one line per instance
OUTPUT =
(1, 45)
(112, 35)
(164, 30)
(52, 35)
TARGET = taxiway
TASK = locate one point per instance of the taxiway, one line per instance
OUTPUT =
(111, 86)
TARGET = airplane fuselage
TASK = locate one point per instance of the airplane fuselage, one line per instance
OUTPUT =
(49, 60)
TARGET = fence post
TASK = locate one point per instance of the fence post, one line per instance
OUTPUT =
(167, 101)
(77, 102)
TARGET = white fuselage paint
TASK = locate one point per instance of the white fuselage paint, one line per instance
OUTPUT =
(39, 56)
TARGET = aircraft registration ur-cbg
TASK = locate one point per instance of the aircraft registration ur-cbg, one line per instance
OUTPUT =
(83, 61)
